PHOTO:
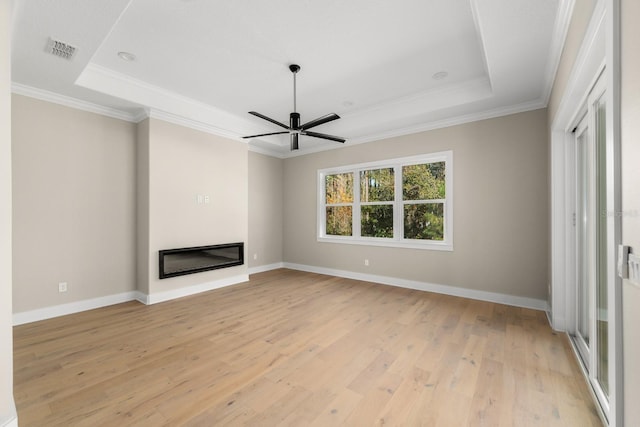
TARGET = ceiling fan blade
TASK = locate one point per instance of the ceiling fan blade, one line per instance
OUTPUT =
(264, 134)
(319, 121)
(269, 119)
(324, 136)
(294, 141)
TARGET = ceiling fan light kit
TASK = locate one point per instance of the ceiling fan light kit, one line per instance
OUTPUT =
(295, 129)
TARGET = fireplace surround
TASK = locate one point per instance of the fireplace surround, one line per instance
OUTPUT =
(181, 261)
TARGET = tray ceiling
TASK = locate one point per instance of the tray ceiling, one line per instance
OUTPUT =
(376, 63)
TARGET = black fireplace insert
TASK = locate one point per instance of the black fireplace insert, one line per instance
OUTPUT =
(178, 262)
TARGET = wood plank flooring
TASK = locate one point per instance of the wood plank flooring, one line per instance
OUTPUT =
(296, 349)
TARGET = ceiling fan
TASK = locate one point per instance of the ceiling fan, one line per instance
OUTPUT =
(295, 128)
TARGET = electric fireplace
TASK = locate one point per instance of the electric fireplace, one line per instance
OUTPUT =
(181, 261)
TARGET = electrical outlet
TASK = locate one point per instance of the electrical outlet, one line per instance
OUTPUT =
(255, 256)
(366, 262)
(62, 287)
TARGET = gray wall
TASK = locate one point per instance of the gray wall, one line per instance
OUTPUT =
(142, 211)
(73, 204)
(95, 198)
(501, 224)
(265, 210)
(630, 118)
(7, 408)
(185, 163)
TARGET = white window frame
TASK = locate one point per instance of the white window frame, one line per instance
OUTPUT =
(398, 212)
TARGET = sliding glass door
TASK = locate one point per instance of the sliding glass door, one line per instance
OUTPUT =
(590, 332)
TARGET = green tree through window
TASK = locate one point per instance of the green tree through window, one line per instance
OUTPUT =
(339, 200)
(376, 217)
(402, 202)
(424, 186)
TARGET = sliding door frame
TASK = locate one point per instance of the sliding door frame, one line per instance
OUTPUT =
(599, 52)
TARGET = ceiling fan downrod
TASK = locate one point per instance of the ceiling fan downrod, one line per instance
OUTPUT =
(294, 69)
(294, 117)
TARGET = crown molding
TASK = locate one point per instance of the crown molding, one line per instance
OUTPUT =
(427, 101)
(454, 121)
(267, 152)
(143, 114)
(67, 101)
(164, 104)
(192, 124)
(439, 124)
(589, 62)
(560, 30)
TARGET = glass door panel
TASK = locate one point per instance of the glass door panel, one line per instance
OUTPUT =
(584, 239)
(601, 296)
(590, 333)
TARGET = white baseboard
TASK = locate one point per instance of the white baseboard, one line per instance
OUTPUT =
(73, 307)
(525, 302)
(192, 290)
(90, 304)
(263, 268)
(10, 419)
(13, 422)
(76, 307)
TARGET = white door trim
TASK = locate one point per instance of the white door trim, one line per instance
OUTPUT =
(600, 47)
(588, 66)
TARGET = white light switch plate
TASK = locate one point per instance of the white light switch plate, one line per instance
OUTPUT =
(634, 269)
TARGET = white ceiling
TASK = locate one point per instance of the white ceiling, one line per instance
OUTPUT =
(205, 63)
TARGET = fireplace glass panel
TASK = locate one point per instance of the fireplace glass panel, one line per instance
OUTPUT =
(177, 262)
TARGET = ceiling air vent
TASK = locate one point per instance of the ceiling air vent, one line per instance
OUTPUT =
(61, 49)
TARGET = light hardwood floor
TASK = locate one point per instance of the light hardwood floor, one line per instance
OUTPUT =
(294, 348)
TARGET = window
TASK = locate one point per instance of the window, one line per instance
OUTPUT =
(403, 202)
(339, 202)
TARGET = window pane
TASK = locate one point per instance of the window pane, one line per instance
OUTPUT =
(377, 221)
(377, 185)
(339, 188)
(423, 182)
(339, 221)
(424, 221)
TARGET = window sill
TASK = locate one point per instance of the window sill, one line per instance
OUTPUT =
(427, 245)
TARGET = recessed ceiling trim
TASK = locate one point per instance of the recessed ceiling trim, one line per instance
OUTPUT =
(439, 97)
(173, 105)
(481, 39)
(439, 124)
(512, 74)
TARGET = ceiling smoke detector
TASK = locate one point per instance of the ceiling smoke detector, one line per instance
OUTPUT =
(61, 49)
